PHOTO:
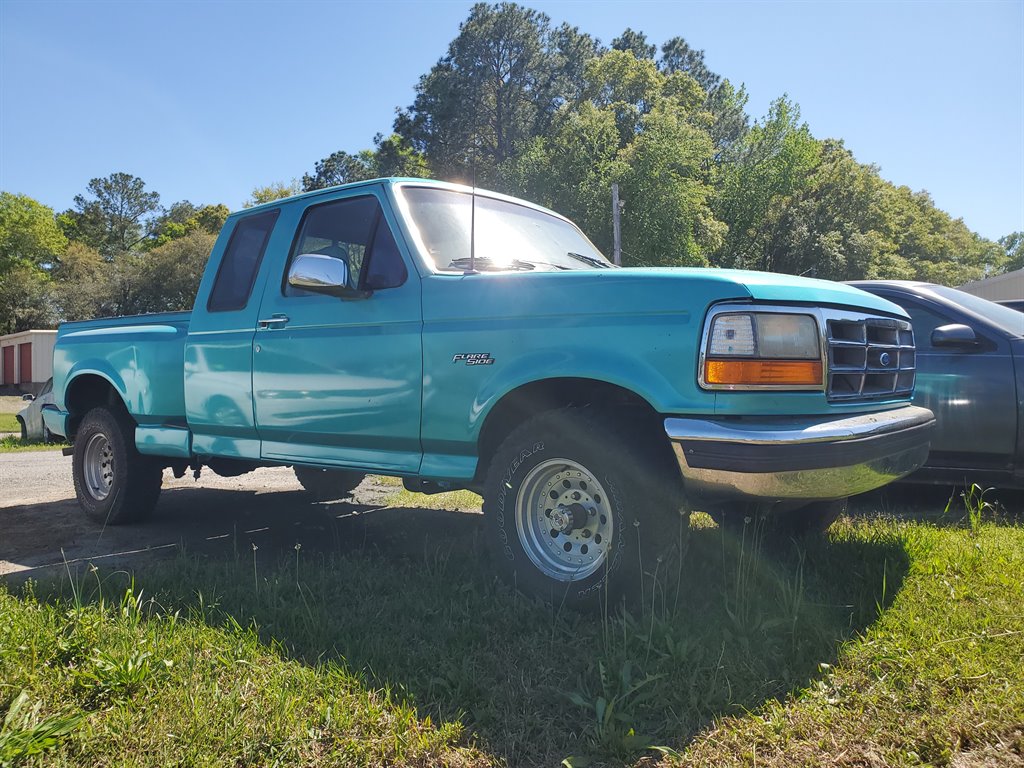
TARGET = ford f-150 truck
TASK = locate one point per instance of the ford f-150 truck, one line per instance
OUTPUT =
(464, 339)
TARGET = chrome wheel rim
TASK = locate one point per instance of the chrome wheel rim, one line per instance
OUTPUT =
(98, 466)
(564, 520)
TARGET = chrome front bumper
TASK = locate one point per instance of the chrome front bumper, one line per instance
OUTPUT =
(799, 457)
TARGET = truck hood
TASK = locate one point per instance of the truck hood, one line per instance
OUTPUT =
(595, 293)
(767, 286)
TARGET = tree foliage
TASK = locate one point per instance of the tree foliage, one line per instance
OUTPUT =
(641, 128)
(1013, 245)
(553, 115)
(273, 191)
(114, 216)
(501, 81)
(28, 232)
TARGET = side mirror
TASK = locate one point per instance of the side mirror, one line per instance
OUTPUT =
(323, 274)
(955, 335)
(28, 398)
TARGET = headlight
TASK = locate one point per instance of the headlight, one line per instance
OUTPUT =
(762, 349)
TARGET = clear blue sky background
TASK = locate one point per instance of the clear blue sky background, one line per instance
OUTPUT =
(206, 100)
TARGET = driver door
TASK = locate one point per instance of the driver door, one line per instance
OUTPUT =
(339, 381)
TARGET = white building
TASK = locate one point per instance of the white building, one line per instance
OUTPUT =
(1005, 287)
(26, 360)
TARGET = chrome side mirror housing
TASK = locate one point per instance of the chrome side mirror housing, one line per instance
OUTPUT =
(323, 274)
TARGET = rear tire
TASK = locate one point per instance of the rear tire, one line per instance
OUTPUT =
(24, 432)
(328, 484)
(115, 484)
(577, 508)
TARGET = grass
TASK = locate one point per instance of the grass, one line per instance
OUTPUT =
(452, 500)
(14, 444)
(892, 643)
(9, 423)
(11, 404)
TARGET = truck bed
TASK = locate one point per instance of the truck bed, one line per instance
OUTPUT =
(126, 351)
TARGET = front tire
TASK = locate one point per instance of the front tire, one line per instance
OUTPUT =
(328, 484)
(576, 509)
(24, 432)
(115, 484)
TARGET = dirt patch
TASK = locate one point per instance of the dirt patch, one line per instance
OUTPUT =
(264, 512)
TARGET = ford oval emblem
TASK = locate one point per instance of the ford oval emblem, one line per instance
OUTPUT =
(884, 359)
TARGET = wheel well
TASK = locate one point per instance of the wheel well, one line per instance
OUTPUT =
(86, 392)
(527, 401)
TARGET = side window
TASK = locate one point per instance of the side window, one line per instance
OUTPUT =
(355, 231)
(924, 321)
(385, 268)
(241, 262)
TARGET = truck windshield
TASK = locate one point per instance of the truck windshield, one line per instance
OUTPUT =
(509, 237)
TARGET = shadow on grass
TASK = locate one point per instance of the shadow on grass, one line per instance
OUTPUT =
(405, 598)
(940, 505)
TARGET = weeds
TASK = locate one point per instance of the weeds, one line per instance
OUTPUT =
(25, 734)
(612, 724)
(975, 505)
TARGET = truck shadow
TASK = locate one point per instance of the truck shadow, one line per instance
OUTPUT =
(941, 505)
(404, 598)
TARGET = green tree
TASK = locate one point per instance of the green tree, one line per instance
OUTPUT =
(81, 289)
(183, 218)
(678, 56)
(394, 156)
(757, 176)
(339, 168)
(940, 248)
(834, 226)
(641, 128)
(495, 89)
(167, 280)
(274, 191)
(30, 241)
(24, 298)
(28, 232)
(727, 107)
(1013, 245)
(635, 43)
(114, 216)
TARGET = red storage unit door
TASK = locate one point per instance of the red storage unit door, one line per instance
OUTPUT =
(25, 363)
(8, 364)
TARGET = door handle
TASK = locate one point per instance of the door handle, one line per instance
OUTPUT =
(273, 320)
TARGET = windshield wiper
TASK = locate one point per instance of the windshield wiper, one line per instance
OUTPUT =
(599, 263)
(486, 263)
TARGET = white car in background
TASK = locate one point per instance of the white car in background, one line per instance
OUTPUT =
(31, 416)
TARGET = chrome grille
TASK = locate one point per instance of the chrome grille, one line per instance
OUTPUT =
(870, 358)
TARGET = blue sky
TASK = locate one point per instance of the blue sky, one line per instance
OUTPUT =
(206, 100)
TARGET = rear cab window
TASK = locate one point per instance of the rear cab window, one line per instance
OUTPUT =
(241, 262)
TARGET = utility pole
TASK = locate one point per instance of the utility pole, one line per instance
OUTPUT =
(616, 230)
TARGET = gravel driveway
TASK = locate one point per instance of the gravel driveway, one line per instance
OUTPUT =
(42, 528)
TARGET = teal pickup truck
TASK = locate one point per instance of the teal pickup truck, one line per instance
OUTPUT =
(464, 339)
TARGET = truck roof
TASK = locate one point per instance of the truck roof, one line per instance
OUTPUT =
(394, 181)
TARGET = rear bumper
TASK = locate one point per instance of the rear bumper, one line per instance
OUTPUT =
(808, 458)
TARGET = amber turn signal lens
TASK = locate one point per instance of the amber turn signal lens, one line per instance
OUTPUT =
(779, 372)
